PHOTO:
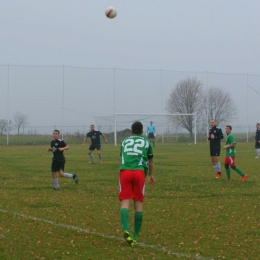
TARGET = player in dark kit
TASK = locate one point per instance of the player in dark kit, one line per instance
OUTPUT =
(58, 160)
(257, 140)
(215, 135)
(95, 143)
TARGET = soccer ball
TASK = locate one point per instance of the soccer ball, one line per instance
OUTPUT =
(111, 12)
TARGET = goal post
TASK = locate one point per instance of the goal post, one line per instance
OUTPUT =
(166, 124)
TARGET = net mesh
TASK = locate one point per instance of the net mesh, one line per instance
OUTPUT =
(169, 127)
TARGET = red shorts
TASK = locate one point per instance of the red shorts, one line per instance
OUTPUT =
(230, 160)
(131, 185)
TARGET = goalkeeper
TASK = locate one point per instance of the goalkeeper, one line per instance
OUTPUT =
(151, 133)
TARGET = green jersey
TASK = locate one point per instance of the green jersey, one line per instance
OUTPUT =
(135, 153)
(230, 140)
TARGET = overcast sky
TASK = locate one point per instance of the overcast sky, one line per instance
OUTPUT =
(179, 35)
(189, 35)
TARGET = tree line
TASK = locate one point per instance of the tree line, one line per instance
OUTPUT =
(19, 120)
(189, 97)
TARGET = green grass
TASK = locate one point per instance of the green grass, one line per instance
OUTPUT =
(188, 211)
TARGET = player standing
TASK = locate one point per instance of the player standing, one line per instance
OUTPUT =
(151, 133)
(230, 155)
(58, 160)
(257, 140)
(215, 135)
(136, 162)
(95, 143)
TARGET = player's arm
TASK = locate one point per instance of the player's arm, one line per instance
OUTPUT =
(258, 136)
(154, 129)
(150, 172)
(104, 137)
(63, 148)
(84, 141)
(229, 146)
(220, 134)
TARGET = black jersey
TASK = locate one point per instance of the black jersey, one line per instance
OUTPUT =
(94, 136)
(257, 138)
(58, 155)
(217, 132)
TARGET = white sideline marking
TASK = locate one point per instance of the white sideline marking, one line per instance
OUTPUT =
(158, 248)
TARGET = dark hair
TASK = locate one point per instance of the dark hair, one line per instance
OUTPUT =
(137, 128)
(56, 131)
(229, 126)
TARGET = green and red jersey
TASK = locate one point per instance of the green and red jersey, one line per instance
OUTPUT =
(135, 153)
(232, 150)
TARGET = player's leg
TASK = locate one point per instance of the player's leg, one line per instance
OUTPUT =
(99, 154)
(54, 169)
(139, 188)
(235, 168)
(66, 174)
(226, 163)
(91, 148)
(216, 166)
(125, 195)
(257, 153)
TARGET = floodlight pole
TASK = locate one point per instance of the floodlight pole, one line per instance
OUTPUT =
(8, 115)
(115, 135)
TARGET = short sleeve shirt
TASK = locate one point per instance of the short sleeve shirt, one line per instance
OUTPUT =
(217, 132)
(232, 150)
(94, 136)
(57, 155)
(135, 153)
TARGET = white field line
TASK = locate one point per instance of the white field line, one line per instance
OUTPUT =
(84, 230)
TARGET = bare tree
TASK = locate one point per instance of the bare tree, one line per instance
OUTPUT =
(20, 120)
(4, 125)
(219, 105)
(186, 98)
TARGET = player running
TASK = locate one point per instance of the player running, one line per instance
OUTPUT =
(215, 135)
(136, 162)
(230, 155)
(58, 160)
(95, 143)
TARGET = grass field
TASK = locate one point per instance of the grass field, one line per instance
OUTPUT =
(188, 214)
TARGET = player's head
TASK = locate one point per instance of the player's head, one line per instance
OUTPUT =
(257, 125)
(56, 134)
(137, 128)
(228, 129)
(151, 122)
(213, 123)
(92, 128)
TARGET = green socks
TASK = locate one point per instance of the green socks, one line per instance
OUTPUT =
(137, 224)
(124, 215)
(235, 169)
(239, 171)
(228, 173)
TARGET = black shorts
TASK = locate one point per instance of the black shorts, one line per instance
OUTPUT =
(92, 147)
(215, 151)
(57, 165)
(150, 136)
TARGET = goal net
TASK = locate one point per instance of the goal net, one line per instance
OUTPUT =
(169, 127)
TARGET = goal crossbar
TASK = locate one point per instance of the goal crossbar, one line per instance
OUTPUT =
(150, 114)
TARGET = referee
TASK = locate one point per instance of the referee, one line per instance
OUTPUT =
(215, 135)
(151, 133)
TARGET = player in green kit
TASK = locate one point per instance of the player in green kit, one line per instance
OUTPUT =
(230, 155)
(136, 163)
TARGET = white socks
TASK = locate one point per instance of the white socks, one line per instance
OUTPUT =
(67, 175)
